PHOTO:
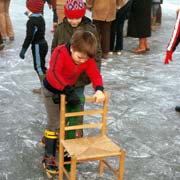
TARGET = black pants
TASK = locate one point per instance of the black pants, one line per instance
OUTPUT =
(1, 40)
(116, 37)
(39, 51)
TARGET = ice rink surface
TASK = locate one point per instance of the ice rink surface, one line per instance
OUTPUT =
(141, 119)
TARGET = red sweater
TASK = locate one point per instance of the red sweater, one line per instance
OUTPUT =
(63, 71)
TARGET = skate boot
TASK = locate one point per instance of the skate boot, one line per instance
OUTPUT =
(43, 143)
(177, 108)
(48, 161)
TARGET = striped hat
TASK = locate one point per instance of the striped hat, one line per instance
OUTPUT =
(74, 9)
(35, 6)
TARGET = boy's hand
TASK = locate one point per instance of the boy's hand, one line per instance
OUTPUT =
(99, 96)
(22, 53)
(71, 97)
(168, 57)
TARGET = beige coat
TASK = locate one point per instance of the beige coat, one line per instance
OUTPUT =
(104, 10)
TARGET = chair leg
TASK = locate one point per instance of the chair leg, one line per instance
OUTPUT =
(61, 162)
(101, 167)
(73, 168)
(121, 164)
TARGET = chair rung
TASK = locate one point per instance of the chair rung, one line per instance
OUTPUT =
(84, 126)
(82, 113)
(110, 167)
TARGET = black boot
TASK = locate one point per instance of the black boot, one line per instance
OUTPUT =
(48, 161)
(177, 108)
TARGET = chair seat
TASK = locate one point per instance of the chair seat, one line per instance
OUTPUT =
(91, 147)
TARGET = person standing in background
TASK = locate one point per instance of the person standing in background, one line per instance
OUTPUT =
(6, 27)
(117, 26)
(139, 24)
(103, 13)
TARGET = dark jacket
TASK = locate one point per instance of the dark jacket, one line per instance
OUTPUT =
(63, 35)
(35, 30)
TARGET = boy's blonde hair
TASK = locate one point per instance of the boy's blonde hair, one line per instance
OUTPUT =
(84, 42)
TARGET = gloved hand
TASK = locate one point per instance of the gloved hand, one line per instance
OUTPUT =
(22, 53)
(99, 96)
(71, 96)
(56, 98)
(168, 57)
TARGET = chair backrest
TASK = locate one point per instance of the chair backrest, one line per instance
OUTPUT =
(100, 109)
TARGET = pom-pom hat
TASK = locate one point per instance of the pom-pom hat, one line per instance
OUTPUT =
(35, 6)
(74, 9)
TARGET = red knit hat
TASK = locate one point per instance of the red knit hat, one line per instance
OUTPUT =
(74, 9)
(35, 6)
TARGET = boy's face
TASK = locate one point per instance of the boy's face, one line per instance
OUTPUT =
(74, 22)
(78, 57)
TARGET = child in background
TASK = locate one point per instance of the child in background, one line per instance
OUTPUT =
(35, 35)
(116, 36)
(67, 62)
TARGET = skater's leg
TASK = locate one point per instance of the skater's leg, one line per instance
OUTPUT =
(50, 152)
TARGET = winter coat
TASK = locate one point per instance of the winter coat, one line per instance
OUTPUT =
(103, 10)
(63, 71)
(35, 30)
(139, 23)
(63, 35)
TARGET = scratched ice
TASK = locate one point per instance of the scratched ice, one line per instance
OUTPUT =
(141, 117)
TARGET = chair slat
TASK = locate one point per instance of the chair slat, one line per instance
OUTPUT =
(84, 126)
(82, 113)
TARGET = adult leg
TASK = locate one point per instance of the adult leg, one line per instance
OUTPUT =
(113, 35)
(141, 47)
(1, 42)
(55, 20)
(103, 29)
(159, 15)
(2, 19)
(105, 34)
(154, 14)
(9, 27)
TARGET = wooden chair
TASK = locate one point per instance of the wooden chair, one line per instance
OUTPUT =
(88, 148)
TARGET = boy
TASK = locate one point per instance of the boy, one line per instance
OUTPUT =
(67, 62)
(75, 19)
(35, 35)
